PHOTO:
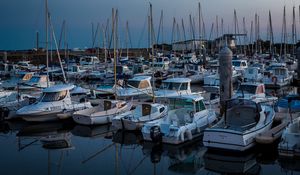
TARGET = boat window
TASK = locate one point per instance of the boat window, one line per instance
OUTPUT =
(2, 67)
(161, 109)
(132, 83)
(247, 89)
(243, 64)
(35, 79)
(10, 67)
(200, 106)
(181, 103)
(27, 77)
(184, 86)
(236, 63)
(119, 69)
(53, 96)
(144, 84)
(279, 71)
(173, 86)
(74, 69)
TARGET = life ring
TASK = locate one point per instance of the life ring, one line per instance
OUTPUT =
(274, 80)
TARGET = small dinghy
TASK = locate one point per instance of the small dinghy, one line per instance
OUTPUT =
(101, 114)
(135, 119)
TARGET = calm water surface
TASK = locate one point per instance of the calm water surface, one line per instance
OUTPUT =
(101, 150)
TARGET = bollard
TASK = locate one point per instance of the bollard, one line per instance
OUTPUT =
(225, 71)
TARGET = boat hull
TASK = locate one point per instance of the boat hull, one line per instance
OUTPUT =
(232, 140)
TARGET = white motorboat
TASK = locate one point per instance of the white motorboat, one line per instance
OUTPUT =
(196, 73)
(254, 91)
(13, 101)
(13, 82)
(135, 119)
(36, 82)
(289, 145)
(137, 86)
(213, 79)
(277, 77)
(240, 65)
(186, 120)
(55, 103)
(75, 72)
(101, 114)
(243, 120)
(174, 87)
(253, 74)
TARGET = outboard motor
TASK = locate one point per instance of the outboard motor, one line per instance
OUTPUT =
(156, 134)
(4, 112)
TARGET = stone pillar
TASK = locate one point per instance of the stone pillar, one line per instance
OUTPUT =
(225, 71)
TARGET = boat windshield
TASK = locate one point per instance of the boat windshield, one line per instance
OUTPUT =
(35, 79)
(236, 63)
(132, 83)
(181, 103)
(171, 86)
(200, 106)
(247, 89)
(53, 96)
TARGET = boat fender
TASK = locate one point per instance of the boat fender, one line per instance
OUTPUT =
(186, 132)
(155, 134)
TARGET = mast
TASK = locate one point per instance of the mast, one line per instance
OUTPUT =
(271, 33)
(183, 29)
(114, 43)
(47, 52)
(199, 15)
(245, 36)
(151, 34)
(127, 37)
(251, 37)
(294, 30)
(173, 32)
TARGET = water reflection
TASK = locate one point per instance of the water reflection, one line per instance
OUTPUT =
(67, 148)
(289, 165)
(231, 163)
(93, 131)
(183, 159)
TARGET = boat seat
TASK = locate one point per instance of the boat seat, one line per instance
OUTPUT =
(241, 116)
(107, 105)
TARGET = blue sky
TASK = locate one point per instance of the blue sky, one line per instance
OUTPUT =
(20, 19)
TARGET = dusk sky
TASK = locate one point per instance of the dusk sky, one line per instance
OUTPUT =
(20, 19)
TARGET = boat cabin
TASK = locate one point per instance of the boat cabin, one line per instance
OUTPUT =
(139, 82)
(240, 65)
(89, 60)
(191, 102)
(251, 91)
(178, 84)
(57, 93)
(253, 74)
